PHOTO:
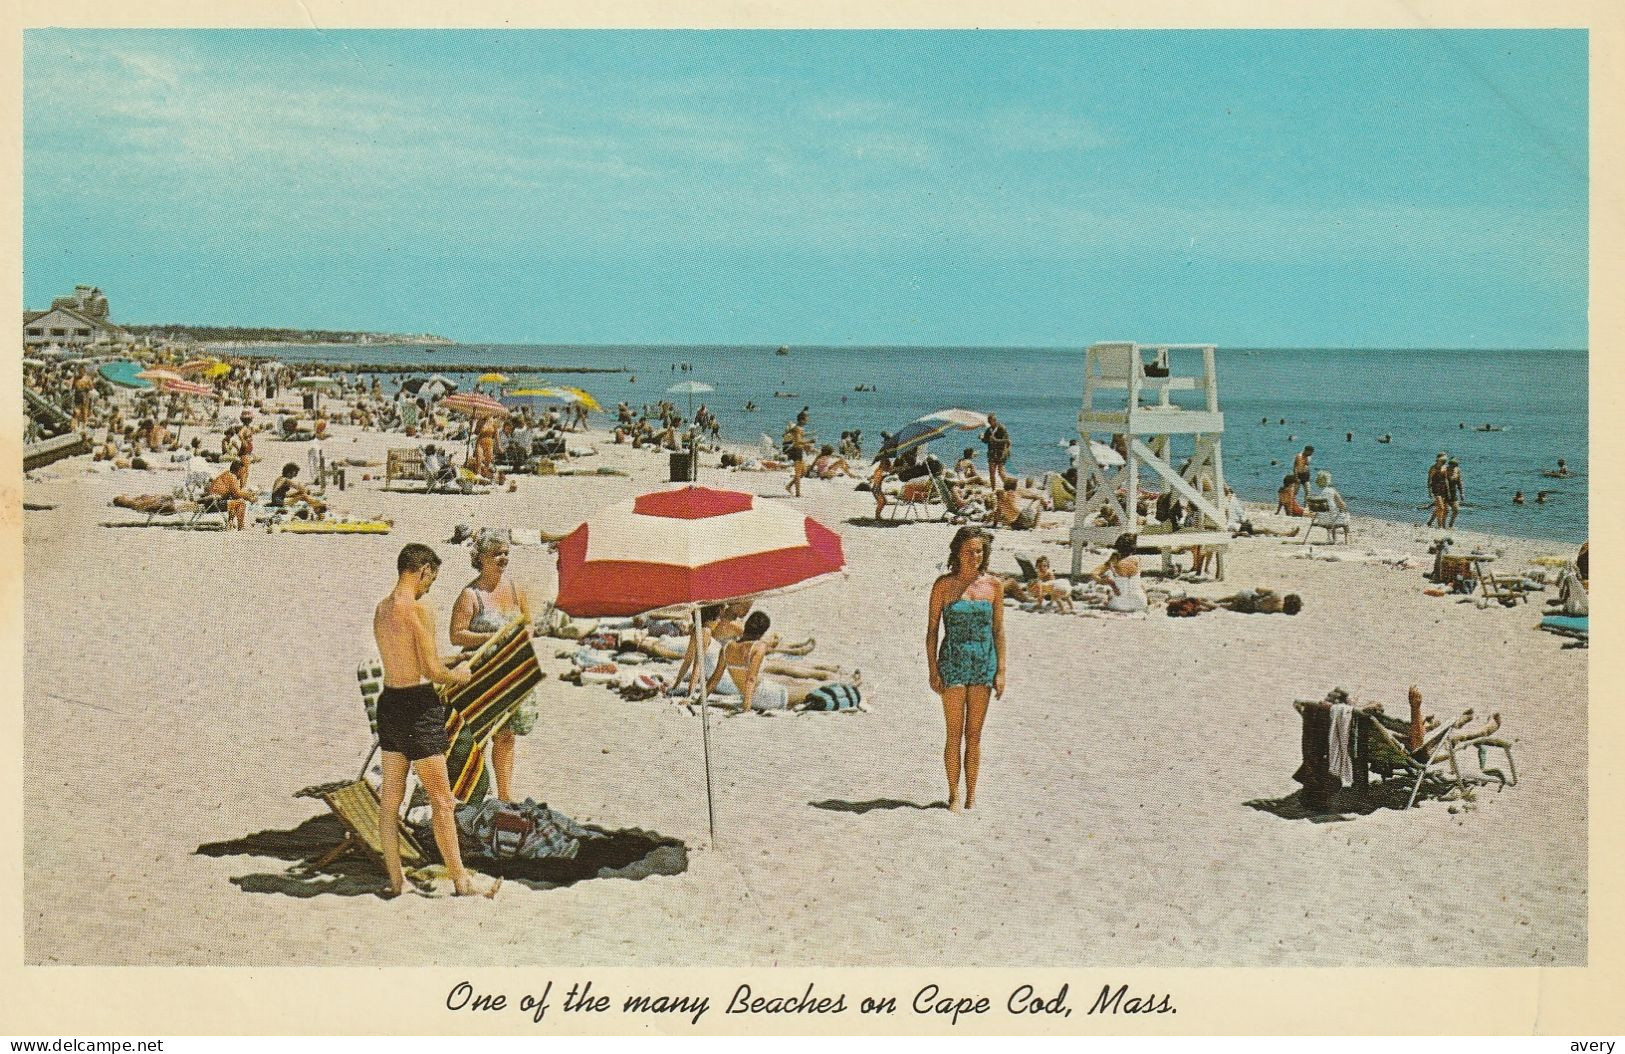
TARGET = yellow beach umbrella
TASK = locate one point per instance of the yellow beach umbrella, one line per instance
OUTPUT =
(492, 378)
(219, 369)
(584, 399)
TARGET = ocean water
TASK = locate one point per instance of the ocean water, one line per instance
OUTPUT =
(1422, 398)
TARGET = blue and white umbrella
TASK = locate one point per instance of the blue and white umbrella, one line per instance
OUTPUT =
(919, 432)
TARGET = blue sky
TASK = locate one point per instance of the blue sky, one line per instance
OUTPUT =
(1385, 189)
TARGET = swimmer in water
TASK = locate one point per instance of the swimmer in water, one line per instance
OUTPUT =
(1540, 497)
(1348, 437)
(1385, 438)
(1517, 498)
(1562, 469)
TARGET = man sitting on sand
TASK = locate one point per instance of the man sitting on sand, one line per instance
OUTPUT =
(412, 720)
(232, 485)
(287, 492)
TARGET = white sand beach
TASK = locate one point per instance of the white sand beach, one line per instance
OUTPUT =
(181, 686)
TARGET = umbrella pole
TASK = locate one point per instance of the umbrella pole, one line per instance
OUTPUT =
(705, 727)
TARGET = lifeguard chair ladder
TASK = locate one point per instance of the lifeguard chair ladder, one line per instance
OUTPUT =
(1147, 421)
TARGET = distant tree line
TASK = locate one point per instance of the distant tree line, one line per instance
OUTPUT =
(271, 335)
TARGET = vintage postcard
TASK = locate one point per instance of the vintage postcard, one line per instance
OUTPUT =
(953, 527)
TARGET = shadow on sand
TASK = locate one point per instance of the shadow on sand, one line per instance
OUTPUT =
(1344, 805)
(861, 807)
(629, 853)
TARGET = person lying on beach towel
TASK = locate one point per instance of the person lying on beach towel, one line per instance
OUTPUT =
(1262, 601)
(742, 661)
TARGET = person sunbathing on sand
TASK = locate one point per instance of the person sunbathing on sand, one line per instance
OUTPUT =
(711, 619)
(743, 662)
(412, 720)
(1262, 601)
(828, 464)
(1121, 573)
(1286, 499)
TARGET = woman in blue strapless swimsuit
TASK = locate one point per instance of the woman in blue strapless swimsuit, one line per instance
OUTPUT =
(967, 666)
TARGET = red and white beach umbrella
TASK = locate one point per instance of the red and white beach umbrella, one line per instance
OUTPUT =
(180, 387)
(686, 548)
(159, 374)
(475, 404)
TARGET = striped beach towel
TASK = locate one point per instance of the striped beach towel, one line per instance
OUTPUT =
(505, 671)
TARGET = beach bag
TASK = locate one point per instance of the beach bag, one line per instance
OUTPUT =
(833, 696)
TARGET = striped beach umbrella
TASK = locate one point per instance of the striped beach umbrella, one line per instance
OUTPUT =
(474, 404)
(676, 549)
(923, 430)
(159, 374)
(688, 547)
(183, 387)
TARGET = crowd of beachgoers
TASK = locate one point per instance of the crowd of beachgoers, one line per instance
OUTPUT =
(325, 449)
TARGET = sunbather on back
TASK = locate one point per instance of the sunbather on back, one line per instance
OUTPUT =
(411, 718)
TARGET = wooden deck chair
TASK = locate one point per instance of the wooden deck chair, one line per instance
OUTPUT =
(355, 803)
(404, 463)
(1503, 589)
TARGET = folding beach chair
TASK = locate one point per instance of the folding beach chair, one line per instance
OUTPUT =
(951, 506)
(1435, 763)
(908, 502)
(1329, 520)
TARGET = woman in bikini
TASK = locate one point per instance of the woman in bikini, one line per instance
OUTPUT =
(741, 661)
(483, 608)
(967, 663)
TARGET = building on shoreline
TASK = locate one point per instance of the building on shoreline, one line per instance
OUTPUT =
(76, 321)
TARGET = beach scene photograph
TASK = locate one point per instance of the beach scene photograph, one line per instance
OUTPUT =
(806, 498)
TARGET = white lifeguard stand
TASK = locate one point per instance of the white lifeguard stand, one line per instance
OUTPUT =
(1148, 422)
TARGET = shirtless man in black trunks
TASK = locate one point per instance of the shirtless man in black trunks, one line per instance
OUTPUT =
(411, 718)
